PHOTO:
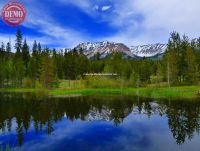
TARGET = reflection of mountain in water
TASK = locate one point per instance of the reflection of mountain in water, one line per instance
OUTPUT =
(96, 115)
(183, 117)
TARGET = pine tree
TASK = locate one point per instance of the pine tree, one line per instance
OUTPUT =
(8, 64)
(35, 61)
(18, 44)
(75, 65)
(35, 49)
(2, 47)
(192, 67)
(2, 52)
(171, 68)
(19, 71)
(8, 71)
(8, 50)
(47, 76)
(145, 71)
(39, 48)
(134, 78)
(1, 74)
(58, 60)
(197, 53)
(18, 64)
(174, 59)
(25, 55)
(181, 58)
(157, 76)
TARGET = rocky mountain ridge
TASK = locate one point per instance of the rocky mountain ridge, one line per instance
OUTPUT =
(105, 48)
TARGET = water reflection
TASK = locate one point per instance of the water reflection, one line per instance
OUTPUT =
(21, 112)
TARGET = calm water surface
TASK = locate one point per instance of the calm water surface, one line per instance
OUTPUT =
(29, 122)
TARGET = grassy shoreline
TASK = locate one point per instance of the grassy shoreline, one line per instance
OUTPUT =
(183, 92)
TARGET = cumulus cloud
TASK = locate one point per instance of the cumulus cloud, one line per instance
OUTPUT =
(142, 22)
(157, 19)
(137, 22)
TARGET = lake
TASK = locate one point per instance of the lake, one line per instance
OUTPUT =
(30, 122)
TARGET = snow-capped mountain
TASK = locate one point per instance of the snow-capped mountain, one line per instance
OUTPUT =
(96, 115)
(104, 48)
(148, 50)
(90, 49)
(106, 114)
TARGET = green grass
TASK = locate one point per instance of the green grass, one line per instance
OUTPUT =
(94, 91)
(19, 90)
(186, 92)
(74, 88)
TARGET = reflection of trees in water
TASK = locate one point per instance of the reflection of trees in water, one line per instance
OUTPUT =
(184, 120)
(44, 113)
(183, 116)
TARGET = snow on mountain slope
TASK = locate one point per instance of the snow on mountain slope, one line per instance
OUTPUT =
(148, 50)
(105, 114)
(90, 49)
(104, 48)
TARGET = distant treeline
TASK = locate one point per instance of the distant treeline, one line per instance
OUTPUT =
(43, 67)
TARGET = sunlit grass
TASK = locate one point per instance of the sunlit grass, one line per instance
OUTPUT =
(172, 92)
(81, 87)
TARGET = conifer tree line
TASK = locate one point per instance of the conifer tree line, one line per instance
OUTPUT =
(43, 67)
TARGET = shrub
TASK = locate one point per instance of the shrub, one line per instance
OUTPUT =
(27, 83)
(38, 85)
(102, 82)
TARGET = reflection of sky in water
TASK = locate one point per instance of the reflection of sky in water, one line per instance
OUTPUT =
(89, 123)
(136, 133)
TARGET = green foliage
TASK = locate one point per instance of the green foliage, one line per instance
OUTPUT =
(181, 61)
(28, 83)
(18, 44)
(38, 85)
(75, 64)
(101, 82)
(47, 76)
(180, 65)
(25, 56)
(192, 70)
(134, 80)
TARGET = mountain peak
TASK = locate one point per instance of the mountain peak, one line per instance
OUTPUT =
(104, 48)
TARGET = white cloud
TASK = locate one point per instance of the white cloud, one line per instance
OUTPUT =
(44, 40)
(180, 15)
(55, 33)
(105, 8)
(43, 22)
(159, 18)
(138, 21)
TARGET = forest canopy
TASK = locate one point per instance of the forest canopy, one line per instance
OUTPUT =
(43, 67)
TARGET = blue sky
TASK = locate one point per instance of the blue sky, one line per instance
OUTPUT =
(66, 23)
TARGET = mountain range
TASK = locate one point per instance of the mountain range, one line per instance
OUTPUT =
(105, 48)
